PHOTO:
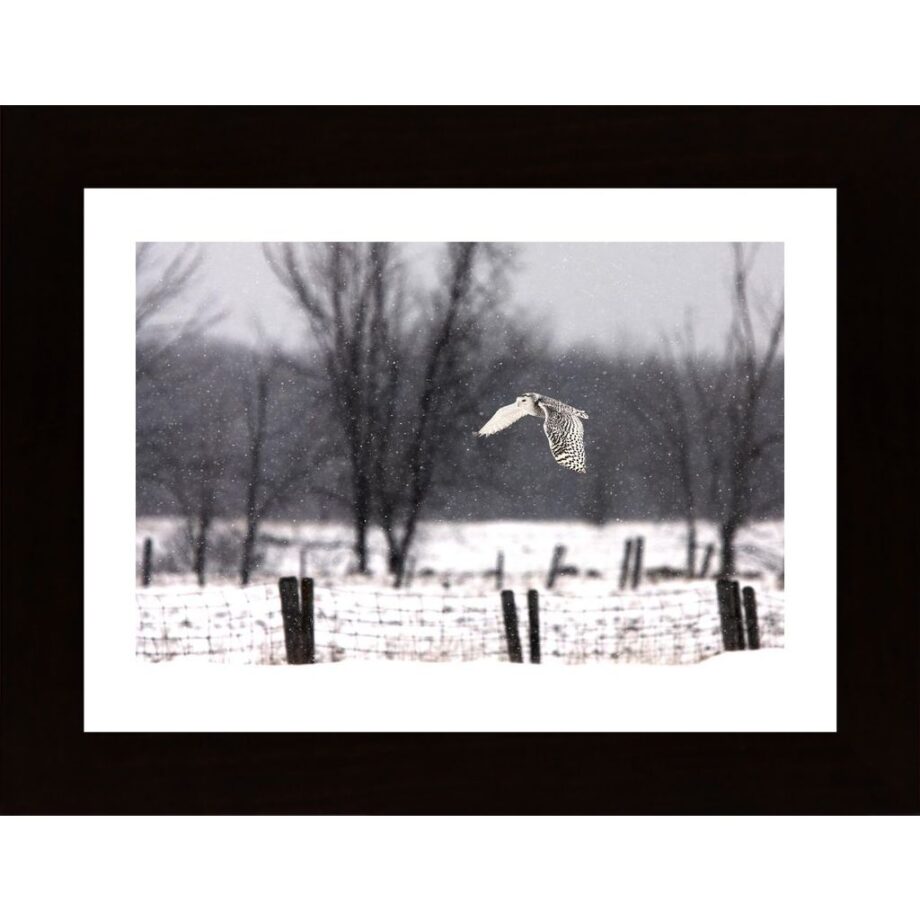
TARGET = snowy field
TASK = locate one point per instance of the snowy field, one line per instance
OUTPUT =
(450, 611)
(452, 555)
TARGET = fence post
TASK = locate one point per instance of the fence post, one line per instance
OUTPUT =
(624, 567)
(704, 571)
(737, 616)
(307, 620)
(303, 562)
(509, 614)
(500, 570)
(558, 554)
(724, 597)
(293, 625)
(533, 624)
(750, 618)
(148, 562)
(637, 562)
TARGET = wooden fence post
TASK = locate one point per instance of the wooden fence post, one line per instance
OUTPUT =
(750, 618)
(555, 564)
(509, 614)
(724, 597)
(307, 620)
(737, 616)
(624, 567)
(148, 562)
(707, 558)
(293, 624)
(500, 571)
(637, 562)
(730, 614)
(303, 562)
(533, 624)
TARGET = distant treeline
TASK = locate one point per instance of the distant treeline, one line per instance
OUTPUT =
(202, 401)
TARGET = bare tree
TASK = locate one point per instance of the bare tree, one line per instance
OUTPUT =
(352, 296)
(187, 452)
(662, 404)
(271, 470)
(405, 374)
(192, 473)
(461, 342)
(736, 433)
(161, 282)
(704, 416)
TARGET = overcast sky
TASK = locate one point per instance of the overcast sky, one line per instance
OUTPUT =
(613, 295)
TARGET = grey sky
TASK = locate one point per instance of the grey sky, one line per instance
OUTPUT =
(613, 295)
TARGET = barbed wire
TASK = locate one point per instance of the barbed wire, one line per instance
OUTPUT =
(244, 625)
(234, 625)
(407, 627)
(771, 618)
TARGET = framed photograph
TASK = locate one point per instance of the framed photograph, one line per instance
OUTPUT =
(558, 388)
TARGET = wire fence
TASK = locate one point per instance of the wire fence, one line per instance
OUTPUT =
(771, 618)
(234, 625)
(245, 625)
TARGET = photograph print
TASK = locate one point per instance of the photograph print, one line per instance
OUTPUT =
(553, 453)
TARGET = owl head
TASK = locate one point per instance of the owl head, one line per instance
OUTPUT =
(528, 402)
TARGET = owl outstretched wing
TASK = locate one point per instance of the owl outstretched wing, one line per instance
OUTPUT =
(566, 436)
(505, 416)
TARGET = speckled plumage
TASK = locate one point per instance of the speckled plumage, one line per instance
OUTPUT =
(561, 423)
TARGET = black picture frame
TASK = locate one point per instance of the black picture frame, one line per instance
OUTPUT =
(49, 765)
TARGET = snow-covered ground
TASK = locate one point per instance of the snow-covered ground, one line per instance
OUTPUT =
(450, 555)
(451, 610)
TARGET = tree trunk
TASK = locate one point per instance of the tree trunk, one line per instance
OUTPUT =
(728, 530)
(398, 546)
(395, 560)
(249, 543)
(201, 550)
(360, 516)
(691, 547)
(361, 545)
(386, 516)
(255, 419)
(405, 543)
(396, 551)
(397, 566)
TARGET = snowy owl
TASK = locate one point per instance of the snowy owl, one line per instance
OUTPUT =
(562, 425)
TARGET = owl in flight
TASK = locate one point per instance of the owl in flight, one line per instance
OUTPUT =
(562, 425)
